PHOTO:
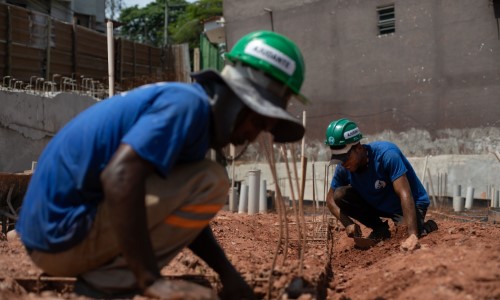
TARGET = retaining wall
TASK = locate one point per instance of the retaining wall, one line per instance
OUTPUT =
(478, 171)
(27, 122)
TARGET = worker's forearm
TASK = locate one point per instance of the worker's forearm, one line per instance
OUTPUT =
(335, 210)
(124, 189)
(330, 203)
(410, 215)
(403, 190)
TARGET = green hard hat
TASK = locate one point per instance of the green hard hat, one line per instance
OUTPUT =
(275, 55)
(342, 133)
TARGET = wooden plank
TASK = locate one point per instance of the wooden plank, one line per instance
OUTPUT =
(66, 284)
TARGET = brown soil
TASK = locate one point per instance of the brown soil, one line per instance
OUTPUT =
(459, 261)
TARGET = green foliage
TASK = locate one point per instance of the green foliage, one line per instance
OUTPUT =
(189, 26)
(113, 8)
(146, 25)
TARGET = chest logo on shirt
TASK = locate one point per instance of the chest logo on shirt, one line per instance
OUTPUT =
(379, 184)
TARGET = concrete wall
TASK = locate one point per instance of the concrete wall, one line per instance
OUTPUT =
(27, 122)
(438, 71)
(478, 171)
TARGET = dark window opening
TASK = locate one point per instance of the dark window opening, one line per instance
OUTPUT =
(22, 4)
(386, 19)
(496, 8)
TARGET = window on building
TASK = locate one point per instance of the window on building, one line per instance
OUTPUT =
(17, 3)
(386, 19)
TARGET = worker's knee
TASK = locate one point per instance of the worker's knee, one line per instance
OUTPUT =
(216, 178)
(198, 182)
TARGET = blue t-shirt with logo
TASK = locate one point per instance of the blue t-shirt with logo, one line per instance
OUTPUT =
(386, 164)
(165, 123)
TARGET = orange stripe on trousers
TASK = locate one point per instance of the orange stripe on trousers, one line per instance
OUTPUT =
(185, 223)
(202, 208)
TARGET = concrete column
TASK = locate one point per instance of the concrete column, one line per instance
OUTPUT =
(242, 207)
(253, 191)
(495, 198)
(458, 203)
(233, 200)
(469, 198)
(263, 197)
(233, 203)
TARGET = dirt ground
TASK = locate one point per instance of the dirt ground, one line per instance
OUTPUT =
(459, 261)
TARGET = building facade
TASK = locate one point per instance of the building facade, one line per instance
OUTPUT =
(400, 65)
(87, 13)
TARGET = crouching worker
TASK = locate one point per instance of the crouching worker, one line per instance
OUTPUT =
(374, 181)
(125, 186)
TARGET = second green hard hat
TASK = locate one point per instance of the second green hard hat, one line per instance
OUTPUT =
(341, 133)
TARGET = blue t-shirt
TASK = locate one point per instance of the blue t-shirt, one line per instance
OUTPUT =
(386, 164)
(165, 123)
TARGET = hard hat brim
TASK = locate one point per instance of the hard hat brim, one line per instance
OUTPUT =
(344, 150)
(287, 129)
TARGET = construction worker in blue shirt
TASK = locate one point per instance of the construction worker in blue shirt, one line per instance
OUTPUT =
(125, 186)
(374, 181)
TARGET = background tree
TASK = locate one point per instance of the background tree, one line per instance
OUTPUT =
(146, 25)
(189, 25)
(113, 8)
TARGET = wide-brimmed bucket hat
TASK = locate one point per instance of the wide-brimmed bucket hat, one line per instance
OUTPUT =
(259, 99)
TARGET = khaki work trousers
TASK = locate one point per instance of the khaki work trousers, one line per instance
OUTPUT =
(178, 208)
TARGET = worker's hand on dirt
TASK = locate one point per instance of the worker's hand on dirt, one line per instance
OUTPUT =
(353, 230)
(166, 289)
(235, 287)
(410, 244)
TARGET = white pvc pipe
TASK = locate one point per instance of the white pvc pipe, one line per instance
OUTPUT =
(111, 59)
(253, 191)
(303, 144)
(496, 199)
(493, 197)
(232, 195)
(263, 197)
(458, 203)
(242, 207)
(232, 199)
(469, 199)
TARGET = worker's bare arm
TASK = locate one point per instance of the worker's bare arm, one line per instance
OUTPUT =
(403, 190)
(330, 203)
(123, 182)
(352, 229)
